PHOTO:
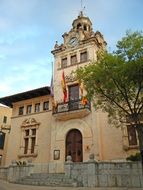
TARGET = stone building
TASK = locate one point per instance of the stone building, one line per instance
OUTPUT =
(46, 129)
(5, 126)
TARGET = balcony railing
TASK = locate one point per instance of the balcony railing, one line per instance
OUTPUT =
(71, 106)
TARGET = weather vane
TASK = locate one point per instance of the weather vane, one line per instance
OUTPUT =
(82, 8)
(81, 5)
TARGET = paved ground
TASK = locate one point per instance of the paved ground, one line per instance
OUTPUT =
(9, 186)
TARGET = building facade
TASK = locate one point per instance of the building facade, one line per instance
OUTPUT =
(5, 127)
(50, 123)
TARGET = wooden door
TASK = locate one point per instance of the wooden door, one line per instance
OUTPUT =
(74, 145)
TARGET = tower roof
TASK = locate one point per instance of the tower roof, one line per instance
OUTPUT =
(82, 21)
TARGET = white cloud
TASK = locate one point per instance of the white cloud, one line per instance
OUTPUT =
(4, 87)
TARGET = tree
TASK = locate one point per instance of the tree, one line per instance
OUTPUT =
(115, 83)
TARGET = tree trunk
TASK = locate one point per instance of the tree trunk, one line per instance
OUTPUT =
(139, 129)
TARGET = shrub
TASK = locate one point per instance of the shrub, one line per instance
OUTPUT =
(135, 157)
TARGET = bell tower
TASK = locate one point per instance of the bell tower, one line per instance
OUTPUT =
(79, 48)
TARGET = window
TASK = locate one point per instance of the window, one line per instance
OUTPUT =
(29, 141)
(26, 142)
(132, 137)
(2, 140)
(83, 56)
(74, 92)
(33, 140)
(73, 97)
(21, 110)
(37, 107)
(46, 105)
(29, 109)
(73, 59)
(64, 62)
(5, 119)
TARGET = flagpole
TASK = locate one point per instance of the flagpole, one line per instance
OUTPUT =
(52, 70)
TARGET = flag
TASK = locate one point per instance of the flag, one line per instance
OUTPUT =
(63, 83)
(52, 88)
(84, 101)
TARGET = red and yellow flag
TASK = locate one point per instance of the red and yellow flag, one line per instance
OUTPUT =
(63, 82)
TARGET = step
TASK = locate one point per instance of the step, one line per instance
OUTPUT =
(46, 179)
(46, 175)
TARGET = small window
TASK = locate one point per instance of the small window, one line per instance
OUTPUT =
(46, 105)
(5, 119)
(132, 137)
(37, 107)
(64, 62)
(73, 59)
(29, 109)
(21, 110)
(83, 56)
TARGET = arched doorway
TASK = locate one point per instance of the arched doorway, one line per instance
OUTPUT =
(74, 145)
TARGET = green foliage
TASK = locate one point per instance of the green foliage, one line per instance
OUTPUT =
(115, 82)
(20, 163)
(136, 157)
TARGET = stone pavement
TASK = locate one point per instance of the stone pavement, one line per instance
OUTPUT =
(9, 186)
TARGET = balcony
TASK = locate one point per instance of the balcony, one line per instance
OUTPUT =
(71, 110)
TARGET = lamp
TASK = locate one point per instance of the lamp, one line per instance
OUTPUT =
(5, 127)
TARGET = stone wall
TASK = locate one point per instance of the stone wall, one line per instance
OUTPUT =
(15, 172)
(106, 174)
(3, 173)
(87, 174)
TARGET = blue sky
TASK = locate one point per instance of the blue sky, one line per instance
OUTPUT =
(29, 29)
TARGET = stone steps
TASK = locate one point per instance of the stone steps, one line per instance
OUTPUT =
(45, 179)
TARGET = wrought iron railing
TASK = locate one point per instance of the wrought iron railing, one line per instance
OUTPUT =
(71, 106)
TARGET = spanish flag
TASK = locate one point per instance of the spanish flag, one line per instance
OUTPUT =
(63, 83)
(84, 101)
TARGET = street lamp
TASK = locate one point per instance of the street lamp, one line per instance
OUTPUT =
(3, 128)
